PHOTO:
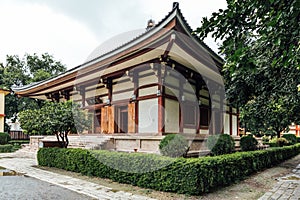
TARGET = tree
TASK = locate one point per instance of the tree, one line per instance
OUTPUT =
(22, 71)
(55, 118)
(261, 46)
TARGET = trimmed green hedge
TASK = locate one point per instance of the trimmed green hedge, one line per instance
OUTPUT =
(190, 176)
(4, 138)
(6, 148)
(291, 138)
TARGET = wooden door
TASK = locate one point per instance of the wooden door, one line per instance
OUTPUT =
(131, 118)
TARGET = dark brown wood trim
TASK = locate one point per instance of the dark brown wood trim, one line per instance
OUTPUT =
(136, 93)
(110, 89)
(151, 96)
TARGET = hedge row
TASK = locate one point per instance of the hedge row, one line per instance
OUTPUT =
(4, 138)
(6, 148)
(190, 176)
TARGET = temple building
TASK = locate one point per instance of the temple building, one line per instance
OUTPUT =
(160, 80)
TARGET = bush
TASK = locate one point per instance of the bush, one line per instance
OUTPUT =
(6, 148)
(282, 142)
(265, 139)
(298, 139)
(292, 139)
(192, 176)
(220, 144)
(173, 145)
(278, 142)
(248, 143)
(4, 138)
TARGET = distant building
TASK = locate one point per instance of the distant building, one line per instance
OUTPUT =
(3, 92)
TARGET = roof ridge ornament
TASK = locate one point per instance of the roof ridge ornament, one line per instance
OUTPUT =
(150, 24)
(175, 5)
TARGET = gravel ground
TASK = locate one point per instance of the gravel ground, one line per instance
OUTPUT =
(26, 188)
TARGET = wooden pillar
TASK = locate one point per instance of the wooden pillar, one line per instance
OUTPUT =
(222, 110)
(198, 114)
(136, 93)
(161, 102)
(181, 106)
(109, 87)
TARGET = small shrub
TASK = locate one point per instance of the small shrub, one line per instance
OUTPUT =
(282, 142)
(298, 139)
(4, 138)
(220, 144)
(6, 148)
(248, 143)
(265, 139)
(173, 145)
(292, 139)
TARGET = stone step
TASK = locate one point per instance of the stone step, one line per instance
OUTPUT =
(83, 141)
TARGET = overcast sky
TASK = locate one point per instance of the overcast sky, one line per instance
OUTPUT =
(71, 29)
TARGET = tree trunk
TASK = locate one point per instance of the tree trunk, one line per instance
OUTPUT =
(278, 134)
(67, 140)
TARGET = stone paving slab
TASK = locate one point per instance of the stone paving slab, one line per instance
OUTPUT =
(24, 165)
(287, 188)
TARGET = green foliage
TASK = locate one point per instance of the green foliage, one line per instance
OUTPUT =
(292, 139)
(282, 142)
(248, 143)
(54, 118)
(190, 176)
(4, 138)
(262, 54)
(18, 71)
(6, 148)
(298, 139)
(19, 142)
(265, 139)
(173, 145)
(279, 142)
(220, 144)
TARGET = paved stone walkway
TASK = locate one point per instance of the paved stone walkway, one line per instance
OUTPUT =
(287, 188)
(23, 162)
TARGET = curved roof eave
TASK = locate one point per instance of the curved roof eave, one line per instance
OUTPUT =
(175, 13)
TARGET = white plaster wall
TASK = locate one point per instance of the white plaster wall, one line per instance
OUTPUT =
(190, 96)
(204, 93)
(172, 81)
(2, 98)
(147, 91)
(148, 116)
(122, 96)
(203, 131)
(172, 91)
(204, 101)
(226, 124)
(148, 80)
(171, 116)
(123, 86)
(189, 130)
(234, 125)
